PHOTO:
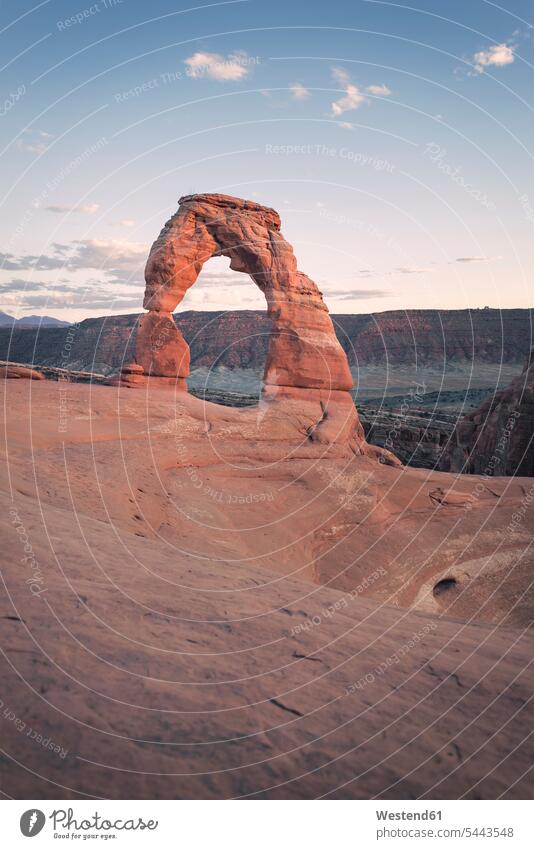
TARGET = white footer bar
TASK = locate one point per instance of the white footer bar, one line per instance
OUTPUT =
(268, 824)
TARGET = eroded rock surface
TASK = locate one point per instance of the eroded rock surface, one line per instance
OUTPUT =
(303, 348)
(13, 371)
(210, 602)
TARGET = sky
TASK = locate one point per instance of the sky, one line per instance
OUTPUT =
(395, 140)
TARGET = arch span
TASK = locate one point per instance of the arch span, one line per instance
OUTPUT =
(303, 347)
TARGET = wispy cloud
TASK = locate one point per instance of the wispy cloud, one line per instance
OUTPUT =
(390, 272)
(407, 269)
(356, 294)
(34, 141)
(85, 209)
(497, 55)
(89, 298)
(118, 260)
(69, 294)
(353, 97)
(10, 262)
(235, 66)
(476, 258)
(379, 90)
(299, 92)
(20, 285)
(341, 76)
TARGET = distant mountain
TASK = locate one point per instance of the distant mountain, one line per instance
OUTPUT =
(41, 321)
(7, 320)
(239, 339)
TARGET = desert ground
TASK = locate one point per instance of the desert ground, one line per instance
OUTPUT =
(210, 602)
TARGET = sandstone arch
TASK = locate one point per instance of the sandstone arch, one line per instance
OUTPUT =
(303, 348)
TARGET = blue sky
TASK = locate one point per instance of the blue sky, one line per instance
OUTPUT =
(394, 140)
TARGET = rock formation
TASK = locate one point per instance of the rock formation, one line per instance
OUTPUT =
(306, 372)
(14, 371)
(498, 437)
(303, 349)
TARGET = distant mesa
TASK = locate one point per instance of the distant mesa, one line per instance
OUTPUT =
(451, 341)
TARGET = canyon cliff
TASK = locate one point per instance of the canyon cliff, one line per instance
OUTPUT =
(498, 437)
(239, 339)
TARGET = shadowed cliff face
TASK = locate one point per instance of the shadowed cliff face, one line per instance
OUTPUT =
(498, 437)
(238, 339)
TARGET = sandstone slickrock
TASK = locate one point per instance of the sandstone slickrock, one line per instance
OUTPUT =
(303, 349)
(15, 372)
(161, 350)
(212, 595)
(498, 437)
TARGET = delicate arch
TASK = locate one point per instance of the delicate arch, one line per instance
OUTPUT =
(303, 348)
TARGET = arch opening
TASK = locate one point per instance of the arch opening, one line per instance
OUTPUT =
(228, 352)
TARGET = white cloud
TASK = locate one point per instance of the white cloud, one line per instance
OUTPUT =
(235, 66)
(299, 92)
(379, 90)
(102, 274)
(36, 141)
(89, 297)
(353, 96)
(118, 260)
(114, 257)
(85, 209)
(340, 76)
(127, 222)
(497, 55)
(352, 100)
(346, 125)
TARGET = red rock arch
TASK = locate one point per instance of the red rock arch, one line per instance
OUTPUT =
(303, 348)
